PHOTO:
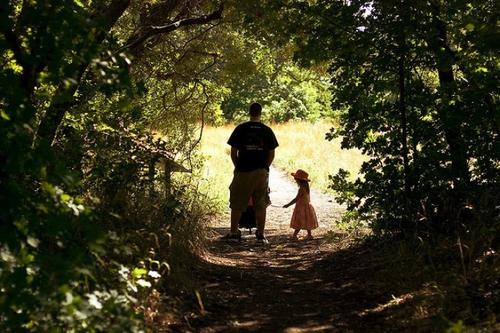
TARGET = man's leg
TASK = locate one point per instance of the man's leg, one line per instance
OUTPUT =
(239, 193)
(261, 198)
(235, 219)
(260, 217)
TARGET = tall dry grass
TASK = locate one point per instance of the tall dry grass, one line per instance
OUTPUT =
(218, 169)
(301, 145)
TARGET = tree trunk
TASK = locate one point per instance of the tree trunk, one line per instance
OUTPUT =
(64, 97)
(450, 116)
(402, 109)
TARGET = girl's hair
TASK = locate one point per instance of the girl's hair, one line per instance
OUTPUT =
(303, 183)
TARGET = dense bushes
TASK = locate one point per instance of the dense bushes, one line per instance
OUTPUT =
(85, 232)
(89, 262)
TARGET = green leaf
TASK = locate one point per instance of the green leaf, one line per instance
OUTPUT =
(470, 27)
(65, 197)
(33, 241)
(138, 272)
(4, 115)
(79, 3)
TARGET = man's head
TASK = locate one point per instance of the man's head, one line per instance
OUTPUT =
(255, 110)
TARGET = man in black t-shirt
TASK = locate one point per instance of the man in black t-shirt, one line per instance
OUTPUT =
(252, 152)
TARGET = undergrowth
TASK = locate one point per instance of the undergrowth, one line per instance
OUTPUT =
(438, 283)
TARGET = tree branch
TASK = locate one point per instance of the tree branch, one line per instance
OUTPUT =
(156, 30)
(28, 81)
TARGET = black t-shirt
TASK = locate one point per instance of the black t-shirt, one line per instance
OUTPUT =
(253, 140)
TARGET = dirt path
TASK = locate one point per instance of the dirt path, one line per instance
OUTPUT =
(321, 285)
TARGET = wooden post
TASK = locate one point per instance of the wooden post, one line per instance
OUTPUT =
(152, 172)
(168, 178)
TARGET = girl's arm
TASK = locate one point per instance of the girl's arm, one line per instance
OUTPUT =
(291, 202)
(299, 193)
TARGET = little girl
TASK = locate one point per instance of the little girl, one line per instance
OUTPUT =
(304, 216)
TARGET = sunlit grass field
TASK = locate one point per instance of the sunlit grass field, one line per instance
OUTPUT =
(301, 145)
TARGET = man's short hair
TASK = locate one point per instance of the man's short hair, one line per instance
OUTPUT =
(255, 109)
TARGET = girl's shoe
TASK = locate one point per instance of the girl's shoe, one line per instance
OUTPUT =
(261, 238)
(309, 237)
(294, 238)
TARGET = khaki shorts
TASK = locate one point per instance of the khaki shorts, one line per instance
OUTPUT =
(253, 183)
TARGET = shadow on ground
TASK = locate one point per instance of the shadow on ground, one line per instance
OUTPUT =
(323, 285)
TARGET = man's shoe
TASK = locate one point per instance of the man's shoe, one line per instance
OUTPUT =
(232, 237)
(261, 238)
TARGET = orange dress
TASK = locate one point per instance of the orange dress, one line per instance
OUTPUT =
(304, 216)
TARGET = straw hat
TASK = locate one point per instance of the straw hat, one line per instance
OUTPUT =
(301, 174)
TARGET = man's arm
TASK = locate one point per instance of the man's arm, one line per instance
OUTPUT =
(270, 158)
(234, 155)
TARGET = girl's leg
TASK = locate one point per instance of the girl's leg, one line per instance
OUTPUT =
(295, 233)
(309, 235)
